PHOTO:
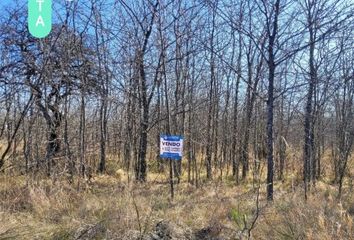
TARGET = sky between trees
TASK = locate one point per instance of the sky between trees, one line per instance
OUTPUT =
(245, 82)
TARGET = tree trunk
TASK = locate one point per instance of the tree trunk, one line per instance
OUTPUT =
(270, 101)
(103, 135)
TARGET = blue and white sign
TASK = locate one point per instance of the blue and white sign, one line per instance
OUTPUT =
(171, 147)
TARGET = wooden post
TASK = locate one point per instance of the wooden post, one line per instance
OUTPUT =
(171, 178)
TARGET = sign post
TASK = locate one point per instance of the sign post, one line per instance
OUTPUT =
(171, 147)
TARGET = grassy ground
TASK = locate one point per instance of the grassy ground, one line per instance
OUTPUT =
(44, 209)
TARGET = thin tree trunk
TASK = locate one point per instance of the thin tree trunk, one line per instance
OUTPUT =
(270, 101)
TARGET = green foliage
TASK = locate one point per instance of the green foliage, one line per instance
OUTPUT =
(238, 217)
(160, 204)
(62, 234)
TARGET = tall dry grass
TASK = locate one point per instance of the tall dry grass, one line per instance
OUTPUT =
(46, 209)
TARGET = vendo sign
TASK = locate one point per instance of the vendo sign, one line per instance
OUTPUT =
(171, 147)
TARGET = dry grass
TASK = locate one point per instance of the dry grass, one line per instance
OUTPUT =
(44, 209)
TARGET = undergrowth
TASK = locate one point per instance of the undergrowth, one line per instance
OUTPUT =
(46, 209)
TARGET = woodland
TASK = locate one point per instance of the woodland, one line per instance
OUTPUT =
(262, 92)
